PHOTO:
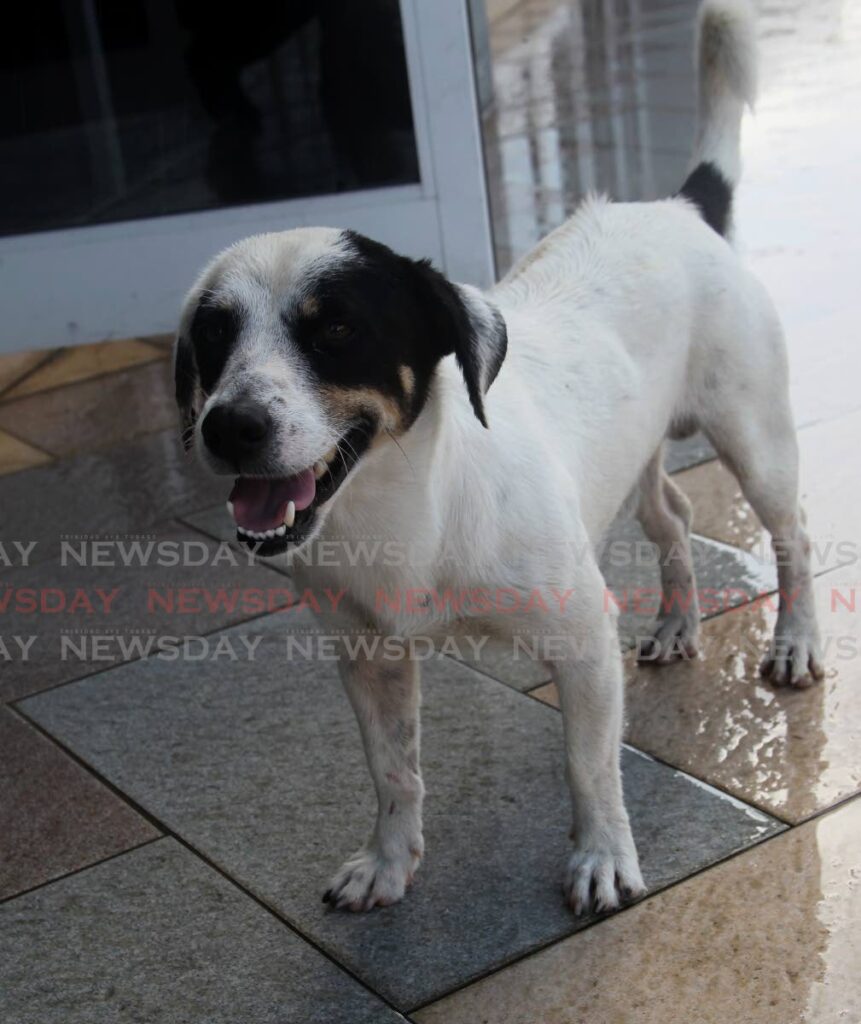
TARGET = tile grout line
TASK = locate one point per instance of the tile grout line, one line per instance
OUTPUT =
(51, 356)
(30, 444)
(168, 833)
(689, 774)
(714, 785)
(99, 375)
(77, 871)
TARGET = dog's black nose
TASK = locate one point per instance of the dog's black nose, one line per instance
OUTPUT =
(236, 432)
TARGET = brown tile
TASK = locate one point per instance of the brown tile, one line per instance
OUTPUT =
(54, 816)
(17, 365)
(771, 935)
(85, 361)
(163, 342)
(15, 454)
(95, 413)
(830, 495)
(790, 752)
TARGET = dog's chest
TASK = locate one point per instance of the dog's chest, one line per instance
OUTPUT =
(383, 589)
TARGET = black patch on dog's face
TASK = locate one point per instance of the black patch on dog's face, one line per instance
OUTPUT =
(360, 323)
(213, 332)
(365, 321)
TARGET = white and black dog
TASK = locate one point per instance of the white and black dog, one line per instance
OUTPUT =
(327, 374)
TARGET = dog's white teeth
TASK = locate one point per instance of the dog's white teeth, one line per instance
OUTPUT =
(282, 529)
(230, 509)
(290, 514)
(253, 534)
(269, 534)
(320, 468)
(330, 454)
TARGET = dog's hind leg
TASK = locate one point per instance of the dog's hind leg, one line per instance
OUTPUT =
(385, 696)
(665, 515)
(747, 417)
(759, 446)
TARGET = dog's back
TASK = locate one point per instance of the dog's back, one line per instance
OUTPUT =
(615, 317)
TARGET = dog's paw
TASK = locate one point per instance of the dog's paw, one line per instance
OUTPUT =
(600, 880)
(368, 879)
(674, 638)
(794, 658)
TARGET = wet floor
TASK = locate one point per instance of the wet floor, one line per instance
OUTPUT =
(156, 812)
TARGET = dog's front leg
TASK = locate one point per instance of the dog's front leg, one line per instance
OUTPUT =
(603, 867)
(385, 696)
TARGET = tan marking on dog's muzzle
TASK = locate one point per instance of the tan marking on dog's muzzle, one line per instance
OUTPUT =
(347, 404)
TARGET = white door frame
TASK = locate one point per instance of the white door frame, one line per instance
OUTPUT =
(128, 278)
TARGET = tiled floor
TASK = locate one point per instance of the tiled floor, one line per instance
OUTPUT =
(168, 823)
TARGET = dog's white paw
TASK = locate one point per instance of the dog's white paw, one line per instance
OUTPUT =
(795, 656)
(674, 638)
(369, 879)
(600, 879)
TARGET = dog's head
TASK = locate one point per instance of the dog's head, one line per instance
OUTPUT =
(298, 352)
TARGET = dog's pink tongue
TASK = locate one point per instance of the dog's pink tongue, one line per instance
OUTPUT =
(261, 504)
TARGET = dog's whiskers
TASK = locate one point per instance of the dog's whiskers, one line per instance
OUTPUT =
(401, 450)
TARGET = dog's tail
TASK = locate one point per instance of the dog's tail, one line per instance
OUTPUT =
(726, 63)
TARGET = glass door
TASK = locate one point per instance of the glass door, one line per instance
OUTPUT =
(138, 139)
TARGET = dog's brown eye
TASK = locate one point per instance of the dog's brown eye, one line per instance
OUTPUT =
(337, 331)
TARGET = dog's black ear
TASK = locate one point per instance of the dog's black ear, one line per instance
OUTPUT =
(473, 328)
(186, 382)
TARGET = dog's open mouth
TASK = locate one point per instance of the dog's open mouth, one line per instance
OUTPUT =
(271, 513)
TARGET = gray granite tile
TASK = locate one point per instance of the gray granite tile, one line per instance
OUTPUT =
(55, 817)
(121, 489)
(62, 620)
(155, 936)
(679, 455)
(726, 577)
(260, 766)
